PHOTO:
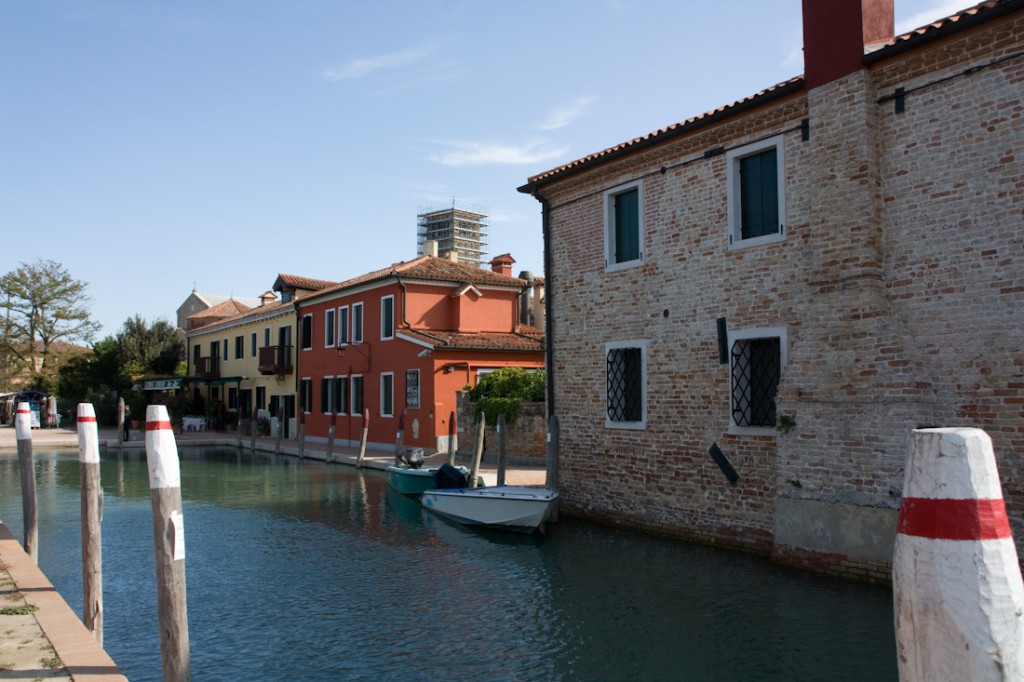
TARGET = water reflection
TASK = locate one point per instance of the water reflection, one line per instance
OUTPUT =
(304, 571)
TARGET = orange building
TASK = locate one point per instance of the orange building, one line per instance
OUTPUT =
(409, 336)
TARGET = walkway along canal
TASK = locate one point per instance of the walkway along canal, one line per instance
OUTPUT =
(299, 570)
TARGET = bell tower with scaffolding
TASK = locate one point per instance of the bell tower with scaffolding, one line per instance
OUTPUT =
(456, 228)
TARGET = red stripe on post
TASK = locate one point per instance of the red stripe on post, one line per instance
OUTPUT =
(87, 419)
(158, 425)
(954, 519)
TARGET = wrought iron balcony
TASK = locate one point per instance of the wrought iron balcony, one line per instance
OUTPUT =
(208, 367)
(276, 360)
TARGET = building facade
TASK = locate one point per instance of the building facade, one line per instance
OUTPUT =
(247, 361)
(796, 281)
(407, 337)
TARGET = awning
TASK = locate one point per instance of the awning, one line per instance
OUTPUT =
(161, 384)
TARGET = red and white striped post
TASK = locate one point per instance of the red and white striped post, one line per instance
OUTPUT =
(169, 544)
(957, 588)
(92, 517)
(27, 464)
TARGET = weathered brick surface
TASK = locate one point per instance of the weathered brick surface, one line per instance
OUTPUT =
(900, 285)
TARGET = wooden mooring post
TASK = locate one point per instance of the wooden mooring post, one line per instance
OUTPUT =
(362, 438)
(27, 464)
(400, 439)
(280, 429)
(500, 426)
(169, 545)
(478, 452)
(452, 438)
(253, 426)
(92, 518)
(302, 434)
(329, 457)
(551, 477)
(238, 428)
(120, 422)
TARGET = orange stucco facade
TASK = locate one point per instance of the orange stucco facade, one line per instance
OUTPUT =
(408, 337)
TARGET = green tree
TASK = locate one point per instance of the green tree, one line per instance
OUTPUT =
(502, 391)
(145, 348)
(95, 378)
(42, 304)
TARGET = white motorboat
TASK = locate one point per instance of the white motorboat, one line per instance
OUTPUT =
(510, 507)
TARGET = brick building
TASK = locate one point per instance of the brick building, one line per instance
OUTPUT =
(802, 277)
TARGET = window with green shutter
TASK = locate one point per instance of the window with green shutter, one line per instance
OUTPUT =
(756, 193)
(623, 226)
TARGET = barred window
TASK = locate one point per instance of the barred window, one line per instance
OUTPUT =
(756, 368)
(625, 384)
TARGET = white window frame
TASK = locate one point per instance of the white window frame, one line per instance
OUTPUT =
(418, 376)
(329, 328)
(338, 379)
(306, 338)
(354, 379)
(224, 351)
(384, 394)
(253, 352)
(609, 226)
(642, 423)
(266, 337)
(344, 335)
(733, 195)
(329, 406)
(756, 333)
(385, 320)
(362, 327)
(306, 394)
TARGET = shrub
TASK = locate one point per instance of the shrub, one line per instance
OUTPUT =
(502, 391)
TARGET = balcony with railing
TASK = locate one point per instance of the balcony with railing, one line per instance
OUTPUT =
(208, 367)
(276, 360)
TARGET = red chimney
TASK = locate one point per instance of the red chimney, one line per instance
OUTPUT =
(837, 33)
(502, 264)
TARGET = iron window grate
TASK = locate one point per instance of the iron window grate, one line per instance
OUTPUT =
(625, 385)
(756, 367)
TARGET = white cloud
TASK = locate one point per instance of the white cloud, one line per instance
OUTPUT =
(939, 10)
(563, 116)
(485, 154)
(358, 68)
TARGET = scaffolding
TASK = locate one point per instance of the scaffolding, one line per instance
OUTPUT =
(456, 227)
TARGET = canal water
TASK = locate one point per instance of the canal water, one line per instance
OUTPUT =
(301, 571)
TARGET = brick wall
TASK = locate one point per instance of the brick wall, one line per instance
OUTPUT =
(899, 285)
(525, 438)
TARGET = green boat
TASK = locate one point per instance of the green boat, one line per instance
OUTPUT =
(414, 481)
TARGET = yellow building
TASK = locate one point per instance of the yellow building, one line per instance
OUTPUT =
(241, 359)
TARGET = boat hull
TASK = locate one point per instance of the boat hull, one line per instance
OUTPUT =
(517, 508)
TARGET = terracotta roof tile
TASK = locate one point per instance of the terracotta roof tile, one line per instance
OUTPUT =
(299, 282)
(706, 118)
(523, 339)
(981, 7)
(433, 269)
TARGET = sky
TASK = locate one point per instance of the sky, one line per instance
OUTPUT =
(155, 147)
